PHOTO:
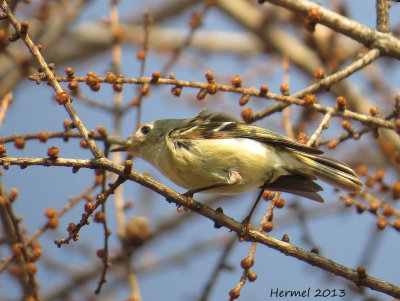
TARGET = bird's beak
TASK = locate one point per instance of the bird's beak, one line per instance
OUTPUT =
(122, 148)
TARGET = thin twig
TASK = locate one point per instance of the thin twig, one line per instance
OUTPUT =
(324, 123)
(382, 16)
(5, 102)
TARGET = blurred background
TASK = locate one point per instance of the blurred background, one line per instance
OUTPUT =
(263, 44)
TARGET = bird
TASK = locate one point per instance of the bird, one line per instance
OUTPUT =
(214, 152)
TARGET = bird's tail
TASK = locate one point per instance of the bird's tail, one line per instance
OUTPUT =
(331, 171)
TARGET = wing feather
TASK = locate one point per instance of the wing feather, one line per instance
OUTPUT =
(212, 125)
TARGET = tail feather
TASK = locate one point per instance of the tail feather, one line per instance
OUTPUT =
(331, 171)
(298, 185)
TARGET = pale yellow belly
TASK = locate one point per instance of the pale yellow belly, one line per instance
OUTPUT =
(208, 162)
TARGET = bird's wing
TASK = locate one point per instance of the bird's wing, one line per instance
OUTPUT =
(210, 125)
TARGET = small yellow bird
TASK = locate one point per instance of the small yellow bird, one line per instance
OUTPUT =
(216, 153)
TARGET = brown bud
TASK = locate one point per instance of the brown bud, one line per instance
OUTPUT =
(362, 170)
(285, 238)
(111, 78)
(141, 54)
(31, 268)
(91, 134)
(71, 228)
(247, 114)
(340, 104)
(285, 89)
(99, 217)
(138, 231)
(176, 91)
(16, 249)
(252, 276)
(155, 77)
(268, 195)
(83, 144)
(319, 74)
(234, 293)
(333, 143)
(36, 254)
(195, 20)
(347, 126)
(361, 271)
(70, 72)
(397, 125)
(67, 124)
(263, 90)
(14, 192)
(24, 28)
(388, 210)
(19, 143)
(370, 182)
(43, 137)
(361, 208)
(396, 190)
(246, 263)
(62, 98)
(374, 111)
(396, 224)
(95, 87)
(3, 36)
(53, 152)
(3, 151)
(268, 227)
(381, 223)
(3, 201)
(202, 93)
(379, 175)
(244, 99)
(144, 90)
(280, 203)
(89, 207)
(348, 202)
(236, 81)
(212, 89)
(50, 212)
(309, 100)
(102, 130)
(53, 222)
(101, 253)
(374, 206)
(210, 76)
(128, 165)
(313, 16)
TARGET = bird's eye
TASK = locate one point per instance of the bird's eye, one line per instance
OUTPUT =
(145, 129)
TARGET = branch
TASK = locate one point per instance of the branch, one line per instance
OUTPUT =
(256, 92)
(326, 82)
(385, 42)
(382, 16)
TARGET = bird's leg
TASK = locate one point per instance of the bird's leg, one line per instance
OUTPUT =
(234, 178)
(246, 221)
